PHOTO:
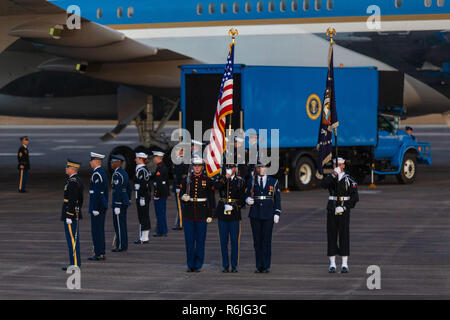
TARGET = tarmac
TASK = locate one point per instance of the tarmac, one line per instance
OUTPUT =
(403, 229)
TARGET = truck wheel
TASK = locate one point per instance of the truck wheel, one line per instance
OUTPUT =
(304, 173)
(408, 171)
(129, 164)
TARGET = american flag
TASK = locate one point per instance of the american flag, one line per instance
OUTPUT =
(328, 121)
(217, 144)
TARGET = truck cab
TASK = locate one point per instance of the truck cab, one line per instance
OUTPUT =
(397, 152)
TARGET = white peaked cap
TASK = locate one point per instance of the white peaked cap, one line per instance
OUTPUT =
(97, 155)
(196, 142)
(340, 160)
(158, 153)
(141, 155)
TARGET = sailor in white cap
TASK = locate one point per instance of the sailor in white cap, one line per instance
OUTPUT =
(98, 204)
(142, 189)
(160, 193)
(343, 191)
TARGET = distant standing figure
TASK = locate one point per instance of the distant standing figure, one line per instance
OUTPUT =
(23, 157)
(409, 130)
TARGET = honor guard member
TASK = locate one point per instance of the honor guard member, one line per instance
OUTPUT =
(198, 197)
(160, 193)
(121, 193)
(263, 197)
(142, 189)
(23, 158)
(196, 149)
(71, 212)
(180, 173)
(242, 168)
(98, 204)
(343, 196)
(232, 191)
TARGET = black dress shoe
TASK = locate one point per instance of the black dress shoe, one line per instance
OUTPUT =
(141, 242)
(176, 228)
(64, 268)
(234, 270)
(196, 270)
(344, 270)
(101, 257)
(93, 258)
(332, 270)
(225, 270)
(116, 250)
(258, 270)
(265, 271)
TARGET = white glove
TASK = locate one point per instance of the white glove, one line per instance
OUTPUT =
(137, 186)
(227, 208)
(185, 197)
(177, 190)
(338, 210)
(337, 170)
(208, 220)
(117, 211)
(142, 202)
(276, 218)
(95, 213)
(68, 221)
(250, 201)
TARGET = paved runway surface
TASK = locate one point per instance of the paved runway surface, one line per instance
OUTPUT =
(402, 229)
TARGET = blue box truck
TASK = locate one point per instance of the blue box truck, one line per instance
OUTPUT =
(369, 105)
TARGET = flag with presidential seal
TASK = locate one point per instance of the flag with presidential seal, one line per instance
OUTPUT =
(328, 121)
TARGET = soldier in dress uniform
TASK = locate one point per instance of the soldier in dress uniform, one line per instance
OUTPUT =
(98, 204)
(263, 197)
(196, 149)
(232, 191)
(142, 189)
(343, 196)
(23, 157)
(198, 196)
(160, 194)
(242, 167)
(180, 173)
(121, 193)
(71, 212)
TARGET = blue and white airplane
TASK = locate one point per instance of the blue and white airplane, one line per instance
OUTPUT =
(126, 49)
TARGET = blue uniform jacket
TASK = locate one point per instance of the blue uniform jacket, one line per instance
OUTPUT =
(265, 209)
(121, 189)
(98, 191)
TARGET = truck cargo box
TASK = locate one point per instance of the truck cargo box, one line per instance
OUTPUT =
(286, 98)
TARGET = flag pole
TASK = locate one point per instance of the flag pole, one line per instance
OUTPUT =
(331, 32)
